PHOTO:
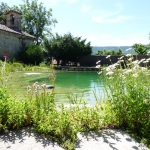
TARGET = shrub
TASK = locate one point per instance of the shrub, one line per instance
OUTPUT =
(31, 55)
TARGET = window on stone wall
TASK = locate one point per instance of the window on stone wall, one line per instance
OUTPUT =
(12, 19)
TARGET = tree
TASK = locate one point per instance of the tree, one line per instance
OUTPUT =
(67, 48)
(33, 54)
(3, 9)
(36, 20)
(141, 49)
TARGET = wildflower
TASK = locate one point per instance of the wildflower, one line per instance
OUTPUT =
(5, 57)
(121, 57)
(135, 62)
(119, 61)
(98, 62)
(136, 67)
(128, 55)
(130, 59)
(128, 71)
(43, 86)
(135, 75)
(145, 61)
(143, 68)
(100, 72)
(148, 59)
(108, 56)
(109, 73)
(141, 60)
(98, 66)
(29, 90)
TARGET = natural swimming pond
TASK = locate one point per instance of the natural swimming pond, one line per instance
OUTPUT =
(75, 84)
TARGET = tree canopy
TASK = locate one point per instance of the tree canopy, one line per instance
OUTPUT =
(67, 48)
(141, 49)
(36, 20)
(3, 9)
(109, 52)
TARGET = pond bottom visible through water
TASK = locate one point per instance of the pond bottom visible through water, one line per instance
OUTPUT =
(87, 86)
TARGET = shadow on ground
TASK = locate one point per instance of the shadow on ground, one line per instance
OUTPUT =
(26, 139)
(107, 140)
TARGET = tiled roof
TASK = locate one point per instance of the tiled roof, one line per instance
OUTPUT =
(12, 11)
(7, 29)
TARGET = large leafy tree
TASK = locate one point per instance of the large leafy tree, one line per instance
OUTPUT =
(67, 48)
(3, 8)
(36, 19)
(141, 49)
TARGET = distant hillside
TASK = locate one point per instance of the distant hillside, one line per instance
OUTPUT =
(124, 49)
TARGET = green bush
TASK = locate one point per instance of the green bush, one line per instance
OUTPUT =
(128, 93)
(32, 55)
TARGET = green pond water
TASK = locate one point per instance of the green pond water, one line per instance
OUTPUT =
(85, 85)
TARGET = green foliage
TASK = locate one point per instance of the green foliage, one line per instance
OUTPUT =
(32, 55)
(36, 20)
(141, 49)
(128, 93)
(67, 48)
(127, 105)
(109, 52)
(3, 9)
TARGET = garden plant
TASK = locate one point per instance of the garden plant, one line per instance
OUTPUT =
(127, 105)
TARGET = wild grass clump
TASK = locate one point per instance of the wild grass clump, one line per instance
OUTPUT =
(127, 86)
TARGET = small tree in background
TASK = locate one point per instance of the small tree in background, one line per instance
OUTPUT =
(31, 55)
(141, 49)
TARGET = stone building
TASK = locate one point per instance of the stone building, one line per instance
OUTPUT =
(12, 38)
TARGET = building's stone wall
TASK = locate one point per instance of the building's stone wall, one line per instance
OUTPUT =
(10, 44)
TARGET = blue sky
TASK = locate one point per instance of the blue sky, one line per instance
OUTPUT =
(102, 22)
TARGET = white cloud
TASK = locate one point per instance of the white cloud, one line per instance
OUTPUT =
(85, 9)
(110, 15)
(119, 19)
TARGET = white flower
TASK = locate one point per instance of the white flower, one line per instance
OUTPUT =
(98, 66)
(136, 67)
(100, 72)
(148, 59)
(108, 56)
(141, 60)
(119, 61)
(145, 61)
(128, 71)
(135, 75)
(128, 55)
(98, 62)
(135, 62)
(109, 73)
(130, 59)
(121, 57)
(143, 68)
